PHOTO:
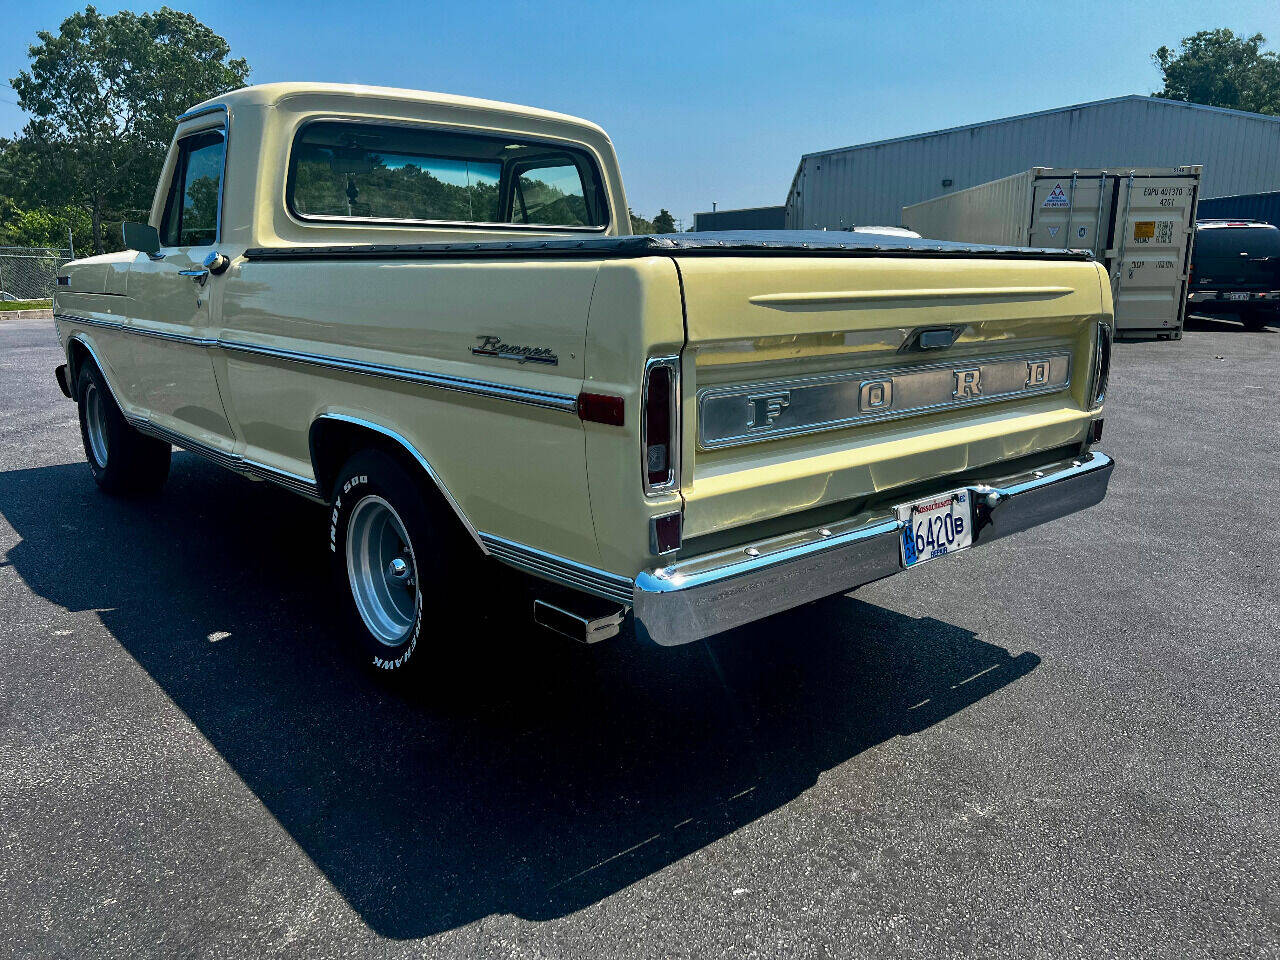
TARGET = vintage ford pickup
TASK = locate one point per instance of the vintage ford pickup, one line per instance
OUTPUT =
(427, 312)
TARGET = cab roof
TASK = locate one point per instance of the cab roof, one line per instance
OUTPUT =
(271, 94)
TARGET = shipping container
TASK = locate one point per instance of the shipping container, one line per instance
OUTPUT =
(1139, 222)
(1262, 207)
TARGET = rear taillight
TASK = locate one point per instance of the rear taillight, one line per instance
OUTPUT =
(1102, 364)
(660, 424)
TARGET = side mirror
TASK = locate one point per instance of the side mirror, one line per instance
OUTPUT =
(143, 237)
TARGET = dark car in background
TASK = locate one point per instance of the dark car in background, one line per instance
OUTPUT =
(1235, 268)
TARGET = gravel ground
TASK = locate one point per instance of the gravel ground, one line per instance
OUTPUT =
(1060, 744)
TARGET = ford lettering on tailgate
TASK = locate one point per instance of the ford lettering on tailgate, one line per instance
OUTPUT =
(729, 416)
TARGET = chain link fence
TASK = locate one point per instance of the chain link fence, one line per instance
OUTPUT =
(30, 273)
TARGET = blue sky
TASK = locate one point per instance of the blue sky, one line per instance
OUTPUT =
(708, 101)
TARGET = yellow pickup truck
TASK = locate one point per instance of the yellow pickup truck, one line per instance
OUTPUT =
(428, 313)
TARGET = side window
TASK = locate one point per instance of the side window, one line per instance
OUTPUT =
(551, 195)
(191, 209)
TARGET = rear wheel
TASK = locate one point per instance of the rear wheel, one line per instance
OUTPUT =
(122, 460)
(1257, 318)
(399, 560)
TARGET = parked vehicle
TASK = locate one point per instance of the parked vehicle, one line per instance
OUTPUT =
(426, 312)
(1138, 222)
(1235, 269)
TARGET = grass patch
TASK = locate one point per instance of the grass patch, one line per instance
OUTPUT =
(7, 305)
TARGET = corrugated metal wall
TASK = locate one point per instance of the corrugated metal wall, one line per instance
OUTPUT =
(872, 183)
(747, 218)
(1250, 206)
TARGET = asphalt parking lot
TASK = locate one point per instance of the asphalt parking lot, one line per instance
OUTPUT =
(1061, 744)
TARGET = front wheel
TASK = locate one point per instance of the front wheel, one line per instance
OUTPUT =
(397, 559)
(122, 460)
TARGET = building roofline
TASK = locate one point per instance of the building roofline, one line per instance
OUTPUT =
(1044, 113)
(767, 206)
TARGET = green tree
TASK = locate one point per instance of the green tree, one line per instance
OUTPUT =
(664, 222)
(639, 224)
(102, 93)
(1217, 68)
(43, 226)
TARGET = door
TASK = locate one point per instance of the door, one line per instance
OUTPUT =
(1071, 211)
(170, 300)
(1155, 219)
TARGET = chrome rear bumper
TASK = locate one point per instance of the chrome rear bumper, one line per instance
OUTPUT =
(1224, 296)
(701, 596)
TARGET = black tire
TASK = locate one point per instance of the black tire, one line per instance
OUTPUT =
(1256, 319)
(378, 501)
(123, 461)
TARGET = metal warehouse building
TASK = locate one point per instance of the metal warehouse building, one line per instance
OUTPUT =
(872, 182)
(745, 218)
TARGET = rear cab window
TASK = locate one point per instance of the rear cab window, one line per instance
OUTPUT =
(391, 173)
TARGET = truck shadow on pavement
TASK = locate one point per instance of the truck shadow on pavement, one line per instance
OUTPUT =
(551, 777)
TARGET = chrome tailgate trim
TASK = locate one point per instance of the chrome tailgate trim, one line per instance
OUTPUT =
(730, 416)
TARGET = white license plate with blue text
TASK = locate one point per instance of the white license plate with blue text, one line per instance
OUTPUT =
(937, 526)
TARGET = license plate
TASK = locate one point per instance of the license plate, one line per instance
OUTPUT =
(936, 526)
(1237, 296)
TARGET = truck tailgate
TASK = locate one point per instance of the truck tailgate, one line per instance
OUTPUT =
(812, 384)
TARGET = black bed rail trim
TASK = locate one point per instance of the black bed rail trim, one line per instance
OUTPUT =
(794, 243)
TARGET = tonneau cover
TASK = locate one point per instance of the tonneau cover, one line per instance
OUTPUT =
(709, 243)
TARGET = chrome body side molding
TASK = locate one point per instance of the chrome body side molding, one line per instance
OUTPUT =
(122, 327)
(547, 400)
(591, 580)
(234, 462)
(231, 461)
(700, 596)
(482, 388)
(305, 486)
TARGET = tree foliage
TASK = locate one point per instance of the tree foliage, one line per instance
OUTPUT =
(664, 222)
(639, 225)
(102, 93)
(44, 226)
(1217, 68)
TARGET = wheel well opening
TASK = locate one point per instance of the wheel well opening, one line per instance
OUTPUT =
(333, 442)
(77, 354)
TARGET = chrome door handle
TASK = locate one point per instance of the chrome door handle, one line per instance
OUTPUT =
(214, 263)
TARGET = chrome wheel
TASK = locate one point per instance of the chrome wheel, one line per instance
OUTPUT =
(95, 422)
(381, 570)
